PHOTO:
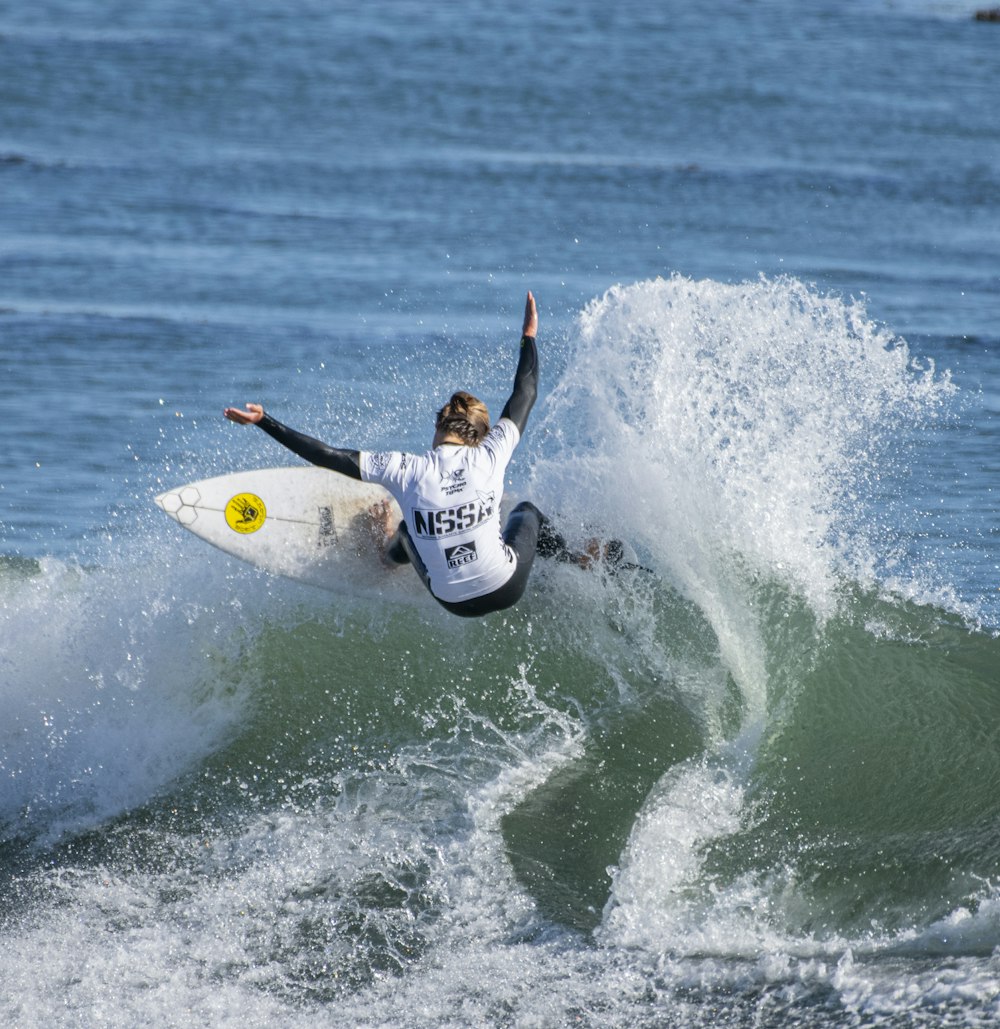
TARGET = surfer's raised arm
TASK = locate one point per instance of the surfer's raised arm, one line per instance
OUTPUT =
(521, 401)
(347, 462)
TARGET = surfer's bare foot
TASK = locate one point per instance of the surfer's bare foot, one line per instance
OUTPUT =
(609, 553)
(382, 529)
(381, 525)
(591, 553)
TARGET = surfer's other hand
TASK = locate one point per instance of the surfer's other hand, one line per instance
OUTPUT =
(530, 327)
(251, 416)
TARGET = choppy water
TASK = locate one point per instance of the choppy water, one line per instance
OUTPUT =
(757, 786)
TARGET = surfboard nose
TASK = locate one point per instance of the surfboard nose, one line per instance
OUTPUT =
(180, 504)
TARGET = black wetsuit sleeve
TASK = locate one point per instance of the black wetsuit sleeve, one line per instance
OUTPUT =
(347, 462)
(521, 401)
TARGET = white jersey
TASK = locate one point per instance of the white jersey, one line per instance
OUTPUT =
(450, 498)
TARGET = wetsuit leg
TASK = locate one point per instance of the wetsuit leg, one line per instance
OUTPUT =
(552, 544)
(395, 550)
(523, 532)
(404, 543)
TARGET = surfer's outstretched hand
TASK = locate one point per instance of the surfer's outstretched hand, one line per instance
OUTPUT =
(530, 327)
(251, 416)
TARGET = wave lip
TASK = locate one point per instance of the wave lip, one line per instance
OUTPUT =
(754, 420)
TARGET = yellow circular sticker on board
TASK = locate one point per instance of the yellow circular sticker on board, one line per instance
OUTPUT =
(245, 513)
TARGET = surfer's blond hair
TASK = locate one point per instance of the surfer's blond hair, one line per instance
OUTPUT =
(465, 417)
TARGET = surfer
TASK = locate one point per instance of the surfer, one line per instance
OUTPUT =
(450, 496)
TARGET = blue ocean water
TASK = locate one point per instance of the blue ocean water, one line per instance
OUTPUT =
(755, 787)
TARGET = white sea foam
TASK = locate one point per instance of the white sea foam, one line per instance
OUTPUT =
(734, 420)
(114, 682)
(385, 874)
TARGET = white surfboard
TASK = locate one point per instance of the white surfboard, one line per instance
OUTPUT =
(306, 523)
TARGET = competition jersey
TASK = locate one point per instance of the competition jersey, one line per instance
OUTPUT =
(450, 498)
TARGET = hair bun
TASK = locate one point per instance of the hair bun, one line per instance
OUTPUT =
(466, 417)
